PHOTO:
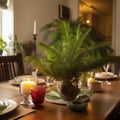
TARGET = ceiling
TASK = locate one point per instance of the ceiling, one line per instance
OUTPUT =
(101, 7)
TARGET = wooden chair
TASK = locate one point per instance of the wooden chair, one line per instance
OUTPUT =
(11, 66)
(117, 69)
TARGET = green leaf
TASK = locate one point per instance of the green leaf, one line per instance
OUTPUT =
(53, 95)
(3, 105)
(76, 48)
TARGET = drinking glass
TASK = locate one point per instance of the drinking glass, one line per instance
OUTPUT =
(49, 81)
(106, 68)
(38, 95)
(34, 73)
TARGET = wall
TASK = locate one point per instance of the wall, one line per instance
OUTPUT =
(26, 11)
(116, 27)
(43, 11)
(74, 6)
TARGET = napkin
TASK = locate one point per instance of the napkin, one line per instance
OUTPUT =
(19, 112)
(53, 94)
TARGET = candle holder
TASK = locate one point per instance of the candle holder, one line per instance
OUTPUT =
(34, 38)
(25, 91)
(27, 100)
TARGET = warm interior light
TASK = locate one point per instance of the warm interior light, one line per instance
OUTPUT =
(87, 21)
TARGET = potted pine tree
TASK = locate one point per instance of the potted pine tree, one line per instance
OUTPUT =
(73, 52)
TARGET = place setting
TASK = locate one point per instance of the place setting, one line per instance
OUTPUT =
(10, 110)
(78, 105)
(33, 96)
(32, 89)
(105, 75)
(46, 80)
(7, 105)
(17, 80)
(33, 93)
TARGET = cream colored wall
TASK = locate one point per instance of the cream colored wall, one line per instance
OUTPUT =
(43, 11)
(74, 6)
(116, 27)
(26, 11)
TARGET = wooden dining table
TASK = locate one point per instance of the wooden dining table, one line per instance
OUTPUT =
(99, 107)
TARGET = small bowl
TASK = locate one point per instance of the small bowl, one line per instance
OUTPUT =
(77, 107)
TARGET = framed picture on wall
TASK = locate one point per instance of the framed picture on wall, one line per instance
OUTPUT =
(64, 12)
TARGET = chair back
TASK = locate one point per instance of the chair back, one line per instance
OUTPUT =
(11, 66)
(117, 69)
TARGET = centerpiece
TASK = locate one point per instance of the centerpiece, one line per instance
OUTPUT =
(75, 50)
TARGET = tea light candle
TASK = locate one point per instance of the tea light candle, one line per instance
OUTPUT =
(89, 81)
(26, 87)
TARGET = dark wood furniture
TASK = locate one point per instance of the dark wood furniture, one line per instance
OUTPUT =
(117, 68)
(102, 105)
(11, 66)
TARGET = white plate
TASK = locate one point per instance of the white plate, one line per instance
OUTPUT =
(22, 77)
(102, 75)
(11, 106)
(54, 97)
(60, 101)
(15, 82)
(56, 101)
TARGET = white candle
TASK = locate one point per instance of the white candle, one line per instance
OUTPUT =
(26, 87)
(34, 28)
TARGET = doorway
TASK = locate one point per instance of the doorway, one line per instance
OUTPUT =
(98, 14)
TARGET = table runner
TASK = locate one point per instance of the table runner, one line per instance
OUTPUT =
(19, 112)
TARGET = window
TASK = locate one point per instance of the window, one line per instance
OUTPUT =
(6, 24)
(0, 22)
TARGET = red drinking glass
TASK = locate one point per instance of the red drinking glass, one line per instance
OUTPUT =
(38, 94)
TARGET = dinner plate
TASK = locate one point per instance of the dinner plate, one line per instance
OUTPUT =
(15, 82)
(11, 106)
(60, 101)
(56, 101)
(103, 75)
(54, 97)
(18, 79)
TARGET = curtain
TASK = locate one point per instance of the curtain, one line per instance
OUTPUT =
(3, 4)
